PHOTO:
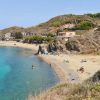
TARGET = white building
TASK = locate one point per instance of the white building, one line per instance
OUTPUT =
(65, 35)
(8, 36)
(26, 34)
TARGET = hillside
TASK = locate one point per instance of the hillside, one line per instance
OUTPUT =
(86, 26)
(12, 29)
(85, 91)
(55, 23)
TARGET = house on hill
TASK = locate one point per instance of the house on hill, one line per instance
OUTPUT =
(12, 35)
(9, 36)
(65, 35)
(27, 34)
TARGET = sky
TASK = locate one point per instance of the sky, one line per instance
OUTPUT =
(28, 13)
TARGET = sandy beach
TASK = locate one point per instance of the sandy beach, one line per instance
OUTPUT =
(65, 66)
(19, 44)
(69, 65)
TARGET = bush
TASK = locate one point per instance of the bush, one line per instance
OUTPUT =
(38, 39)
(97, 15)
(56, 23)
(85, 25)
(50, 35)
(18, 35)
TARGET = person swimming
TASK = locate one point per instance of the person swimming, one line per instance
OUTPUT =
(33, 66)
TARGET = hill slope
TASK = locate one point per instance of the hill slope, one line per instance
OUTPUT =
(56, 23)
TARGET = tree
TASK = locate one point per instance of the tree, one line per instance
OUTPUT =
(50, 35)
(85, 25)
(18, 35)
(56, 23)
(97, 15)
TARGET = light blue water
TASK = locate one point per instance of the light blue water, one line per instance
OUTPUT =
(17, 78)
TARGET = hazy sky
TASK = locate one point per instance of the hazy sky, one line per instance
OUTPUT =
(32, 12)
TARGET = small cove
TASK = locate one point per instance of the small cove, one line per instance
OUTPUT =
(17, 78)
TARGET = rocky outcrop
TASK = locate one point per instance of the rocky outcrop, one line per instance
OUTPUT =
(72, 46)
(96, 77)
(85, 44)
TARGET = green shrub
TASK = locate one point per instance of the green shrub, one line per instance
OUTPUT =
(56, 23)
(38, 39)
(85, 25)
(18, 35)
(97, 15)
(50, 35)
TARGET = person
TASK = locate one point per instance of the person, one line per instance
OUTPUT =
(81, 69)
(33, 66)
(50, 65)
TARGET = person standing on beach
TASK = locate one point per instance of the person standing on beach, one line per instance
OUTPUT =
(50, 65)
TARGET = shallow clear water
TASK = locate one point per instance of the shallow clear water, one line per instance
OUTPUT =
(17, 78)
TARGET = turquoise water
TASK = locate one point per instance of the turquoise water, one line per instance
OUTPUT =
(17, 78)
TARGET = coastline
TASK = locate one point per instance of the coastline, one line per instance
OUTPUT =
(58, 70)
(19, 45)
(65, 66)
(34, 47)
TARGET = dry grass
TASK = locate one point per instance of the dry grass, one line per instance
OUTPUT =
(88, 90)
(84, 91)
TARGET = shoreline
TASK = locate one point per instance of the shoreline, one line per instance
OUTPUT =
(65, 66)
(59, 72)
(18, 45)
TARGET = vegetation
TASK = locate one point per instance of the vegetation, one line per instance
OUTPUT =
(88, 90)
(97, 15)
(38, 39)
(18, 35)
(85, 25)
(56, 23)
(50, 35)
(12, 29)
(72, 92)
